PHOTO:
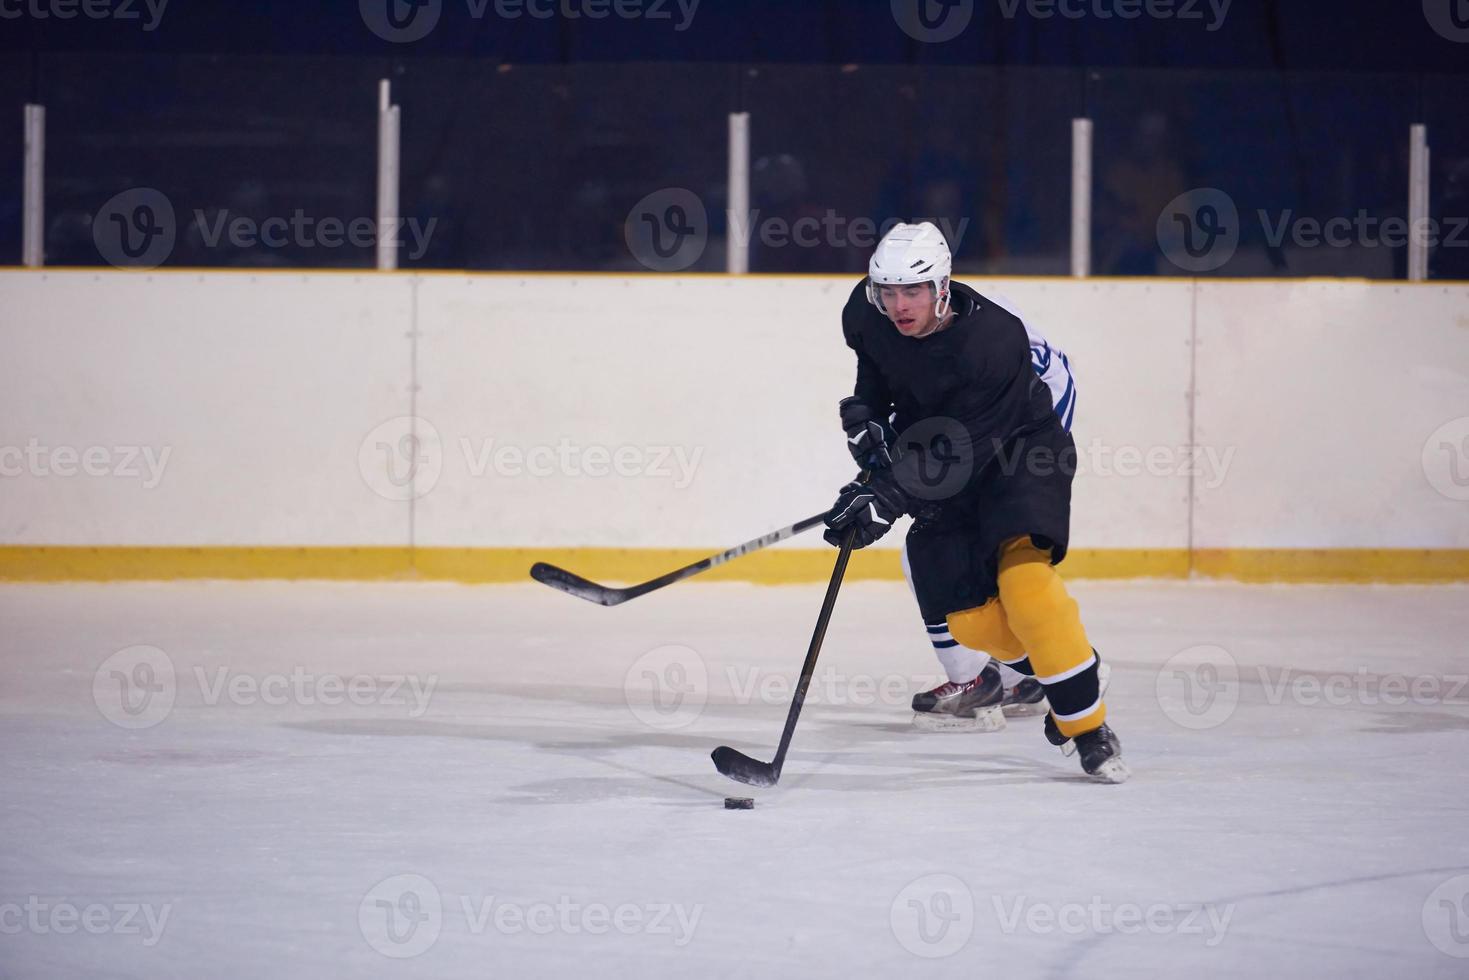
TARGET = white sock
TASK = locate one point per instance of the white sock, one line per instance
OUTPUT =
(961, 664)
(1009, 676)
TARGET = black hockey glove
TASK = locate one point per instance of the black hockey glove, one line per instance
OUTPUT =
(870, 507)
(870, 439)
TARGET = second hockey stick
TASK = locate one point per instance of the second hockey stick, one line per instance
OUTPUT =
(572, 584)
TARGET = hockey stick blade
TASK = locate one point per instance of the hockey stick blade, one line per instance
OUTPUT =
(743, 769)
(572, 584)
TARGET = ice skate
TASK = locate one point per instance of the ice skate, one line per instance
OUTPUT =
(1027, 697)
(973, 706)
(1101, 755)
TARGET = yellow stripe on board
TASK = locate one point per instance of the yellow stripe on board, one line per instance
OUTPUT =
(617, 565)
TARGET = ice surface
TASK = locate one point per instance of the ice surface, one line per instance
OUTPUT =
(544, 804)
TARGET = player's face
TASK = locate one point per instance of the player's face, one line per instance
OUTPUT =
(909, 307)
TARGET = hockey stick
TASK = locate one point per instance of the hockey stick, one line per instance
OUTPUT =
(560, 578)
(740, 767)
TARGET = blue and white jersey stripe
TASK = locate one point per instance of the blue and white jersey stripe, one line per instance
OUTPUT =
(1050, 363)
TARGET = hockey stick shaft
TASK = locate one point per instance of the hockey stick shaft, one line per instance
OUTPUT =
(572, 584)
(818, 636)
(738, 766)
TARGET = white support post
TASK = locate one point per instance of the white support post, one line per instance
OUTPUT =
(388, 148)
(1081, 198)
(737, 245)
(33, 194)
(1418, 204)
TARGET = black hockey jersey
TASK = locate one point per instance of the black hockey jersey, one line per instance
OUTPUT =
(976, 373)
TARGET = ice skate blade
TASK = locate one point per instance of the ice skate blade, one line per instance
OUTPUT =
(984, 720)
(1068, 748)
(1114, 770)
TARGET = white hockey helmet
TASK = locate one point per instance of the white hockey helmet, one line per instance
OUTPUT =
(912, 254)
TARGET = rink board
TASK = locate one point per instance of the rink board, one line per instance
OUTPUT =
(457, 426)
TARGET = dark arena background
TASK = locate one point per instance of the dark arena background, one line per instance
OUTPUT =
(347, 349)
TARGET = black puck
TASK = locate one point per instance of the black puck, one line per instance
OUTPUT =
(738, 803)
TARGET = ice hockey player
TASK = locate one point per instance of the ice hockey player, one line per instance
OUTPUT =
(958, 704)
(984, 465)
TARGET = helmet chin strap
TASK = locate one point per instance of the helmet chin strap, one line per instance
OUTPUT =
(942, 309)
